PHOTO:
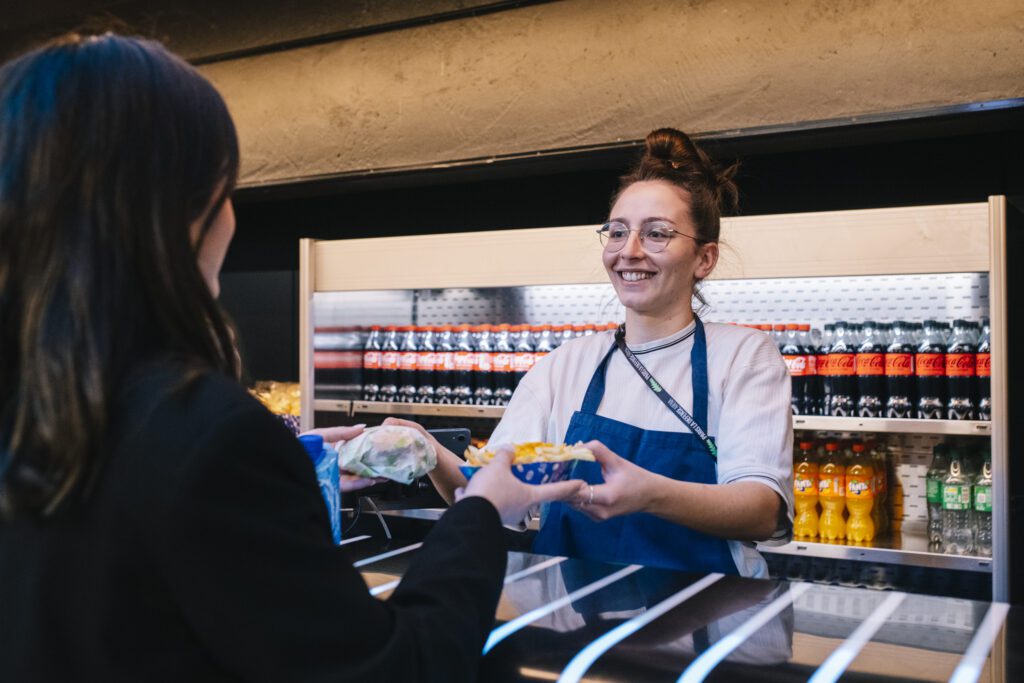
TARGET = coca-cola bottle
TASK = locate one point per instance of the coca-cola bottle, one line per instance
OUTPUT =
(483, 367)
(960, 373)
(843, 372)
(795, 356)
(408, 353)
(568, 334)
(502, 366)
(523, 358)
(389, 365)
(426, 366)
(444, 366)
(812, 403)
(545, 341)
(899, 372)
(825, 367)
(371, 364)
(870, 371)
(983, 367)
(465, 360)
(930, 372)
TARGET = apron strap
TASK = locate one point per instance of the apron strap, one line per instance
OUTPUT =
(699, 374)
(595, 390)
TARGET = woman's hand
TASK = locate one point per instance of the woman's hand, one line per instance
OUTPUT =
(347, 482)
(446, 477)
(511, 497)
(627, 488)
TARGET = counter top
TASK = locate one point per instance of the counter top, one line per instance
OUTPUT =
(570, 620)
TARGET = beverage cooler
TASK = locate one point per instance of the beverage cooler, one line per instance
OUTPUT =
(892, 322)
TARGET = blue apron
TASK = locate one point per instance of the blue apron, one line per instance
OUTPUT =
(640, 538)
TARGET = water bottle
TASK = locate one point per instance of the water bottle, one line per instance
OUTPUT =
(933, 487)
(982, 513)
(325, 460)
(957, 534)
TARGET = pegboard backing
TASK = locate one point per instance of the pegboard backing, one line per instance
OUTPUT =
(804, 300)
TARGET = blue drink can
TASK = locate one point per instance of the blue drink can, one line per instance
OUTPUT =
(325, 460)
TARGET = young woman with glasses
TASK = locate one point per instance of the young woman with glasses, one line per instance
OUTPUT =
(690, 421)
(156, 522)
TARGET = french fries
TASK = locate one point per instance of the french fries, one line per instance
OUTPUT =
(532, 451)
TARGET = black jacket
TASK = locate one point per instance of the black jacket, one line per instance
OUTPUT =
(203, 553)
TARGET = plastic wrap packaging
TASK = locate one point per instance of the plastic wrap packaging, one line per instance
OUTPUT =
(401, 454)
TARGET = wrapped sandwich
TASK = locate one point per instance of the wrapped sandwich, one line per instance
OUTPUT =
(532, 451)
(401, 454)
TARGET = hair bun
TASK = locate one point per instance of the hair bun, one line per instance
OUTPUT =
(672, 152)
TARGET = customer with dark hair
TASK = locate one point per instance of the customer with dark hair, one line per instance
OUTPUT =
(693, 418)
(156, 523)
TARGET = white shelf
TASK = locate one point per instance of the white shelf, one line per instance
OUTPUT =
(329, 405)
(426, 409)
(893, 426)
(908, 549)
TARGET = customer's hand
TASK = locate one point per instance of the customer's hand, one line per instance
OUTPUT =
(347, 482)
(625, 489)
(511, 497)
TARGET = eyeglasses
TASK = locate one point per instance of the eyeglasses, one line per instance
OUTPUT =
(654, 236)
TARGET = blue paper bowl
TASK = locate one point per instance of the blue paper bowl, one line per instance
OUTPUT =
(534, 472)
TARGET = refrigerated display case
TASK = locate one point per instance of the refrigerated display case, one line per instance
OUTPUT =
(911, 263)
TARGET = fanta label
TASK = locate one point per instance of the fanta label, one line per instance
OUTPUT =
(859, 486)
(930, 364)
(805, 486)
(870, 364)
(960, 365)
(899, 364)
(983, 365)
(832, 486)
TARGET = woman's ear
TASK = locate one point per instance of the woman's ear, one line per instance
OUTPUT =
(707, 259)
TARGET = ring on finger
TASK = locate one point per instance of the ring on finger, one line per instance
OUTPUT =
(590, 500)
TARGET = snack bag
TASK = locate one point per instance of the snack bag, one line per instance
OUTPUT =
(401, 454)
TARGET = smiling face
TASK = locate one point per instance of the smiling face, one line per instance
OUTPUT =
(661, 284)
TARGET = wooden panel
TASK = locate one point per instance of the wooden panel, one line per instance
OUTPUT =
(933, 239)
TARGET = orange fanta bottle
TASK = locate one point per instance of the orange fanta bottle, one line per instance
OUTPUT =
(860, 495)
(805, 492)
(832, 494)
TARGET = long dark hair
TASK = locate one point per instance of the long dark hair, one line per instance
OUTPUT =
(110, 148)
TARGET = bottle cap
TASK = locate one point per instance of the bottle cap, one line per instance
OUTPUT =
(806, 445)
(792, 326)
(858, 448)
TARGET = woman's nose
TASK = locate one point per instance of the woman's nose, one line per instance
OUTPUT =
(633, 248)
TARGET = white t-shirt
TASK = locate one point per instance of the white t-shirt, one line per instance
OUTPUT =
(748, 406)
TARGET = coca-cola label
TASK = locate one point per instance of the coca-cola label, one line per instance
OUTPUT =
(797, 365)
(870, 364)
(983, 365)
(960, 365)
(426, 361)
(407, 360)
(899, 364)
(930, 364)
(842, 364)
(389, 360)
(337, 360)
(522, 362)
(482, 362)
(464, 361)
(502, 362)
(824, 365)
(445, 361)
(371, 360)
(812, 364)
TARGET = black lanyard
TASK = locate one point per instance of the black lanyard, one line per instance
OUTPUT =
(666, 398)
